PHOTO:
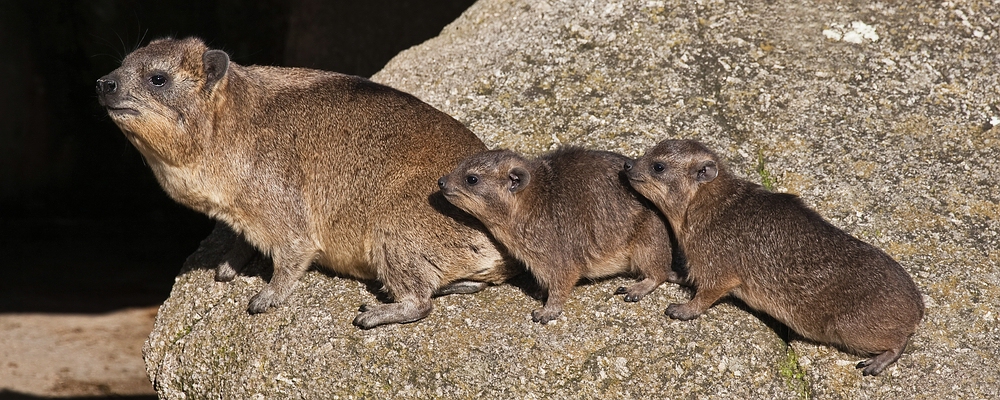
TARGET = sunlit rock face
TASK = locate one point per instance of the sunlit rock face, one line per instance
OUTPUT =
(879, 116)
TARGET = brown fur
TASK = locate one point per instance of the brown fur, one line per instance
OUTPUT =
(566, 215)
(778, 256)
(308, 166)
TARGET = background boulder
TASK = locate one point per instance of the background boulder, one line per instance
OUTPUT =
(880, 116)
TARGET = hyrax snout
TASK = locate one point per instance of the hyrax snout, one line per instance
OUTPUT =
(566, 215)
(285, 157)
(778, 256)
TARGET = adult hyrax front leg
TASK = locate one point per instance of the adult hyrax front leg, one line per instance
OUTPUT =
(566, 215)
(309, 167)
(778, 256)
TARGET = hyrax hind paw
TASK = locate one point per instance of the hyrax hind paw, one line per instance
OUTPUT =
(263, 301)
(674, 277)
(225, 272)
(682, 312)
(394, 313)
(869, 368)
(874, 366)
(461, 287)
(544, 315)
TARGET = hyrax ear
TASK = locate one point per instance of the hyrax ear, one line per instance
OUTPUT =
(519, 178)
(706, 171)
(216, 64)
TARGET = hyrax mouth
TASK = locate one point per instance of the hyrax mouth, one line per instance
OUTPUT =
(635, 176)
(121, 111)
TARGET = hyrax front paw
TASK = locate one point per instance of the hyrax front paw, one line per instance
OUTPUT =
(263, 301)
(544, 315)
(683, 312)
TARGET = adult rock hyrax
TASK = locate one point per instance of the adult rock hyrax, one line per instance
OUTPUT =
(308, 166)
(567, 214)
(778, 256)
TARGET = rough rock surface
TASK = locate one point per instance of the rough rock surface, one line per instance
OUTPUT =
(881, 116)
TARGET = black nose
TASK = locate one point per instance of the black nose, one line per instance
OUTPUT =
(441, 182)
(628, 165)
(106, 86)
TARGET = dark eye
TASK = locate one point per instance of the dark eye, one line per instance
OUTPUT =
(659, 167)
(472, 180)
(158, 80)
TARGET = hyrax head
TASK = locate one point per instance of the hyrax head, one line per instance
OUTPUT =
(671, 173)
(485, 184)
(163, 97)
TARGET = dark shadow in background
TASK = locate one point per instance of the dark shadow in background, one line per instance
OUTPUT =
(84, 227)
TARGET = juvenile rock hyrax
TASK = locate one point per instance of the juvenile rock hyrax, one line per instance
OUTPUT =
(778, 256)
(566, 215)
(307, 166)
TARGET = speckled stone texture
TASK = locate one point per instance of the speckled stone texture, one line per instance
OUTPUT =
(881, 116)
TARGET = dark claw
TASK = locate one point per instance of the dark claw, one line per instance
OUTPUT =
(621, 290)
(363, 308)
(632, 298)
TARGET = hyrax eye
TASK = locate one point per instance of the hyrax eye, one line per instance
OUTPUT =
(158, 80)
(659, 167)
(472, 180)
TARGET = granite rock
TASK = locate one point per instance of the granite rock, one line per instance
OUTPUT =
(881, 116)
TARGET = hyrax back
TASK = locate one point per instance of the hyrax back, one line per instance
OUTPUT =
(309, 166)
(566, 215)
(778, 256)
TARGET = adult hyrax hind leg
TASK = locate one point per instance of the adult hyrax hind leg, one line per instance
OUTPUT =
(224, 250)
(405, 309)
(237, 256)
(651, 257)
(409, 279)
(461, 287)
(409, 267)
(290, 263)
